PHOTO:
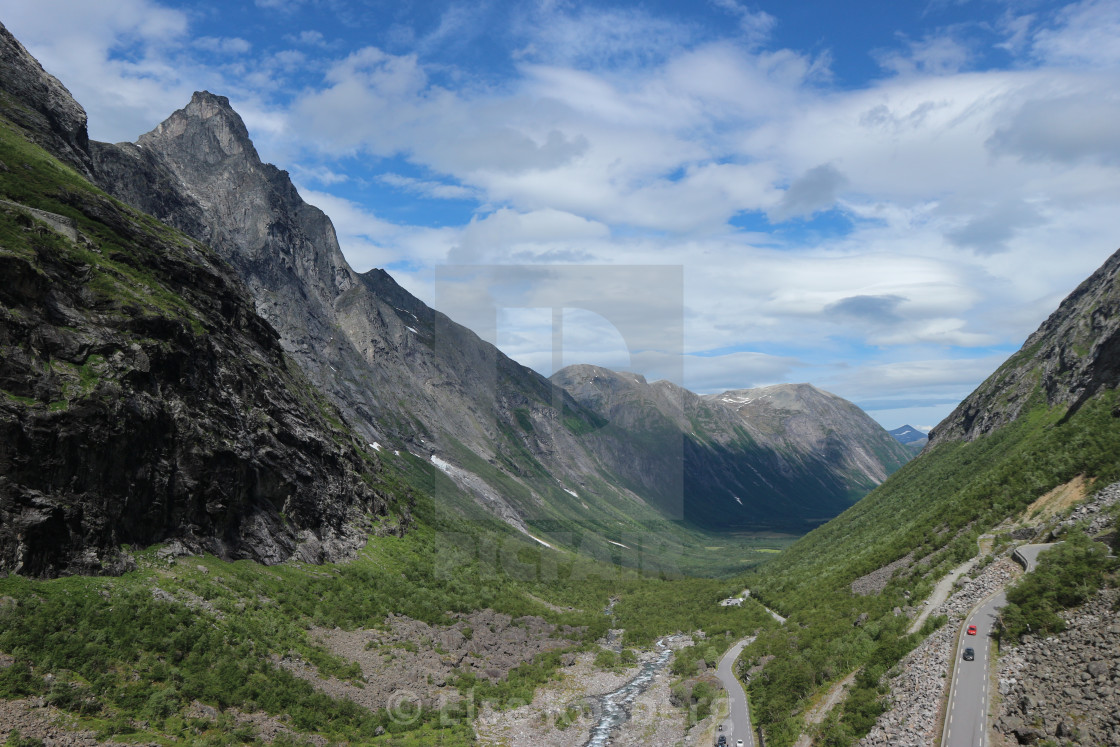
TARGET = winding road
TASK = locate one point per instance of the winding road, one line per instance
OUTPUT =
(966, 715)
(738, 724)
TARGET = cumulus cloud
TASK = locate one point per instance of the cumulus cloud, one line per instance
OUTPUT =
(118, 59)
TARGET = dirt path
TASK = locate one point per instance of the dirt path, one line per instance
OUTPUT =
(817, 713)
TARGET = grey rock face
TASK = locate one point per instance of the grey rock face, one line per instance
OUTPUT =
(1073, 356)
(781, 457)
(35, 100)
(143, 399)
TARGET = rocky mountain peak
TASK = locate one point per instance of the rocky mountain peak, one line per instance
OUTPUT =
(207, 129)
(38, 102)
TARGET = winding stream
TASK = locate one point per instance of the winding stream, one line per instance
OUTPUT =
(614, 707)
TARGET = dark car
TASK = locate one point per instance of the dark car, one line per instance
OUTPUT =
(722, 741)
(969, 654)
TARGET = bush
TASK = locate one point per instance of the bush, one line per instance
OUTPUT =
(1067, 575)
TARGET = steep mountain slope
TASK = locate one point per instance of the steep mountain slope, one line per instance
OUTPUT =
(1044, 417)
(1047, 418)
(1072, 358)
(403, 373)
(782, 458)
(143, 399)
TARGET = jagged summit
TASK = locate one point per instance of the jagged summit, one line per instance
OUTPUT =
(206, 129)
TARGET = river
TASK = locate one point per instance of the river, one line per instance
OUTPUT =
(614, 707)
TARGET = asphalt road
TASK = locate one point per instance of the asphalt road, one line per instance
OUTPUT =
(966, 717)
(966, 721)
(738, 724)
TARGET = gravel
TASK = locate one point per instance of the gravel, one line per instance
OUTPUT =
(654, 720)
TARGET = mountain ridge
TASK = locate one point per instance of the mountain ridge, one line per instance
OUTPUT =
(1070, 358)
(796, 455)
(144, 400)
(401, 371)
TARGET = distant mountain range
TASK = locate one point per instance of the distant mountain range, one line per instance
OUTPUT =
(780, 457)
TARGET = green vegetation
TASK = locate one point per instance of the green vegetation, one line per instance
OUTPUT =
(128, 655)
(118, 244)
(1067, 575)
(935, 506)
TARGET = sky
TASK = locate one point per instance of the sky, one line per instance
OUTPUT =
(881, 199)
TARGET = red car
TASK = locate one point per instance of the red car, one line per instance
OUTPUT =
(972, 630)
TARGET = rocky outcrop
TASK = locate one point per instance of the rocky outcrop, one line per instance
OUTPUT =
(37, 102)
(419, 661)
(877, 580)
(1071, 358)
(1065, 687)
(783, 457)
(142, 399)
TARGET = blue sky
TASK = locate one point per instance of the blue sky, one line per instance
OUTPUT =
(883, 199)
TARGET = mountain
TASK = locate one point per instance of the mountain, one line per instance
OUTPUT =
(779, 458)
(910, 436)
(1072, 358)
(142, 399)
(407, 376)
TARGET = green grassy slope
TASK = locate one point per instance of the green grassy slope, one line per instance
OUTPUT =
(936, 506)
(124, 660)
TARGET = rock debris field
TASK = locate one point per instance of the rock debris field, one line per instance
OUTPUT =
(917, 693)
(654, 720)
(1066, 686)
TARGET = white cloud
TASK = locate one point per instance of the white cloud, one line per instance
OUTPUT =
(755, 25)
(741, 370)
(1085, 34)
(977, 198)
(428, 188)
(933, 55)
(116, 58)
(223, 45)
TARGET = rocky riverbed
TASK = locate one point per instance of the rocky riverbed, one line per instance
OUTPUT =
(1066, 686)
(918, 689)
(654, 720)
